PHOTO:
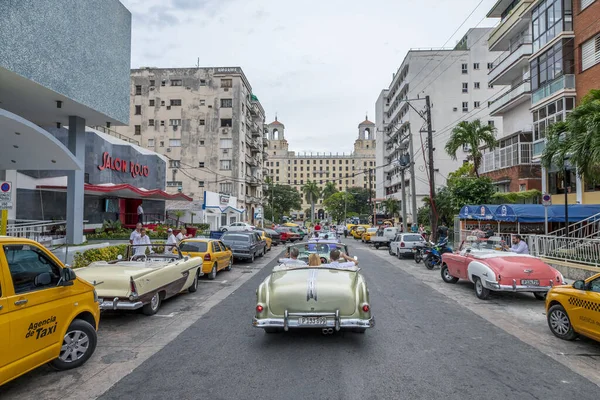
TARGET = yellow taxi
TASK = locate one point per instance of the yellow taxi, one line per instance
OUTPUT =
(370, 232)
(47, 314)
(575, 309)
(265, 236)
(215, 254)
(358, 231)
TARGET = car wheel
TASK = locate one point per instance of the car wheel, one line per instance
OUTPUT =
(252, 257)
(213, 272)
(376, 247)
(78, 346)
(194, 286)
(228, 267)
(560, 323)
(480, 291)
(224, 230)
(446, 277)
(398, 254)
(390, 251)
(540, 296)
(152, 307)
(263, 253)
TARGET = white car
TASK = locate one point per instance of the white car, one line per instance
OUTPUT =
(238, 226)
(404, 243)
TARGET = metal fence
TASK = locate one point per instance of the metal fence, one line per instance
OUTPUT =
(40, 231)
(587, 228)
(572, 249)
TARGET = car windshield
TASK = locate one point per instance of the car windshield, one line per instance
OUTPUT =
(413, 238)
(235, 237)
(193, 246)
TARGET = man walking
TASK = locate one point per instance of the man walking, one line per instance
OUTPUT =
(135, 234)
(140, 213)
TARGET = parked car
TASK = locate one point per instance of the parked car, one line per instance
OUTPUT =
(370, 232)
(43, 307)
(238, 226)
(404, 243)
(214, 253)
(358, 231)
(291, 236)
(245, 245)
(274, 235)
(384, 237)
(266, 237)
(300, 232)
(496, 271)
(573, 309)
(141, 280)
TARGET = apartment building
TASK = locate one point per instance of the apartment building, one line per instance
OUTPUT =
(456, 81)
(586, 24)
(286, 167)
(511, 165)
(209, 125)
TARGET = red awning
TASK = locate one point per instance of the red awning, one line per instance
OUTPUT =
(124, 191)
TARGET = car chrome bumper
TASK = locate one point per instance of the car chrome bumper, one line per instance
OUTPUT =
(515, 288)
(118, 304)
(290, 320)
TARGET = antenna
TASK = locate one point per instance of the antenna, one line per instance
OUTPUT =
(198, 63)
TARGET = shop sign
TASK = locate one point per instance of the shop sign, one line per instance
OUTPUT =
(117, 164)
(223, 199)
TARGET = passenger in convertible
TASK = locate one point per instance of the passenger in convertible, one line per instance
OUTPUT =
(314, 260)
(335, 256)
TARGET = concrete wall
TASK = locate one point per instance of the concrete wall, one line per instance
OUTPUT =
(78, 49)
(517, 119)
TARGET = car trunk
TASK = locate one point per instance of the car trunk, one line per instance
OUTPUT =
(519, 268)
(238, 245)
(332, 290)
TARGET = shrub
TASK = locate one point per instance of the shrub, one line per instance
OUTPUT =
(83, 259)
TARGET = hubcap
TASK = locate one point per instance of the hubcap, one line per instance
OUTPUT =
(75, 345)
(447, 274)
(478, 286)
(154, 301)
(560, 322)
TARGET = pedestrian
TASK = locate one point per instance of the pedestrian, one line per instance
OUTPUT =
(135, 234)
(143, 239)
(317, 227)
(171, 240)
(489, 232)
(182, 235)
(414, 228)
(518, 245)
(421, 229)
(442, 231)
(140, 213)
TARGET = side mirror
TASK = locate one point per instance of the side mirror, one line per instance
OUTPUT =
(67, 276)
(579, 285)
(43, 279)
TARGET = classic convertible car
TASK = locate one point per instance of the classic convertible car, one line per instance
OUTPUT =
(320, 247)
(142, 280)
(324, 297)
(493, 270)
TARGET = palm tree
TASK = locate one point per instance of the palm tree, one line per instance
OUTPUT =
(471, 134)
(312, 192)
(329, 189)
(577, 139)
(392, 206)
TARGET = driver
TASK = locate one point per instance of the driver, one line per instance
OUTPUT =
(335, 255)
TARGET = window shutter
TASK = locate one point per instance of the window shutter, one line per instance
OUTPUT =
(586, 3)
(590, 53)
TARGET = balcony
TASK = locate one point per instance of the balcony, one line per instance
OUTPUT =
(561, 83)
(509, 66)
(252, 180)
(251, 160)
(515, 96)
(499, 38)
(254, 130)
(506, 157)
(538, 148)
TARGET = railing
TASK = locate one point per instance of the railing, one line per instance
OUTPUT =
(110, 132)
(253, 180)
(508, 22)
(250, 160)
(588, 228)
(40, 231)
(517, 91)
(505, 237)
(509, 57)
(560, 83)
(505, 157)
(578, 250)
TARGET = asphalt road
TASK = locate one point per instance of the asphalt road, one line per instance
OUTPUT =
(424, 346)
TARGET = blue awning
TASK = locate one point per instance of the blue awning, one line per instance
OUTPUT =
(481, 212)
(577, 212)
(535, 213)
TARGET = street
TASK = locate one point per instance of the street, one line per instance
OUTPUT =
(432, 340)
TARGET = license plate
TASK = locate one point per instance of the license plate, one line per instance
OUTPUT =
(312, 321)
(530, 282)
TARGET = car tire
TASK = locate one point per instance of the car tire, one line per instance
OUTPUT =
(213, 272)
(252, 257)
(446, 277)
(228, 267)
(481, 292)
(376, 247)
(399, 255)
(152, 307)
(390, 251)
(194, 286)
(540, 296)
(263, 253)
(78, 327)
(224, 230)
(560, 323)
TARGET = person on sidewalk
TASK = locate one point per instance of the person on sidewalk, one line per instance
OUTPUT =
(171, 240)
(140, 213)
(135, 234)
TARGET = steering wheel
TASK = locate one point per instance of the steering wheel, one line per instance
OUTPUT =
(139, 257)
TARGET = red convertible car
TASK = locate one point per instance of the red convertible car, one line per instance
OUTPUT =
(499, 271)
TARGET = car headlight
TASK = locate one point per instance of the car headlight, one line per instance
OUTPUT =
(96, 297)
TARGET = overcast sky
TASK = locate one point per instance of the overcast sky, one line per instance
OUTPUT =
(320, 65)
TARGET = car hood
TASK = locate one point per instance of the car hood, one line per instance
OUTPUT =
(313, 290)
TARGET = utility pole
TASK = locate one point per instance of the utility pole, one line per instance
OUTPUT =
(371, 202)
(413, 189)
(433, 211)
(403, 186)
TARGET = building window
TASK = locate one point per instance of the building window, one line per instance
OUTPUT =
(476, 85)
(202, 102)
(277, 164)
(174, 122)
(585, 4)
(490, 86)
(175, 102)
(174, 163)
(138, 129)
(226, 103)
(465, 87)
(557, 61)
(476, 104)
(490, 65)
(491, 123)
(162, 102)
(226, 122)
(138, 110)
(150, 122)
(226, 188)
(226, 143)
(176, 82)
(590, 53)
(549, 114)
(225, 165)
(201, 122)
(549, 19)
(201, 164)
(174, 142)
(465, 106)
(202, 82)
(138, 90)
(200, 183)
(475, 66)
(465, 68)
(162, 144)
(150, 142)
(162, 123)
(226, 83)
(201, 143)
(151, 103)
(455, 109)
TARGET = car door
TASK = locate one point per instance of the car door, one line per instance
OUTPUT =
(394, 244)
(225, 253)
(39, 310)
(221, 254)
(5, 347)
(584, 309)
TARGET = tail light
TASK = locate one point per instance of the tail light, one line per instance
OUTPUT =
(366, 308)
(133, 289)
(259, 308)
(402, 244)
(207, 257)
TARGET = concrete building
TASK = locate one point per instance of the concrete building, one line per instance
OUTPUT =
(511, 164)
(54, 71)
(209, 125)
(286, 167)
(457, 83)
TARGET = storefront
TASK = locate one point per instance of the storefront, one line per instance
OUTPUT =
(220, 210)
(119, 176)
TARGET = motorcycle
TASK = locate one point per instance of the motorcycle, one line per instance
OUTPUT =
(420, 251)
(433, 257)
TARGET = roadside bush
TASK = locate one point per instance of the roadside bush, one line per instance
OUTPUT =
(83, 259)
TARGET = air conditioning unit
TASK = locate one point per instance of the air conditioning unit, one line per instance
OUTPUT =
(169, 150)
(168, 107)
(225, 130)
(151, 87)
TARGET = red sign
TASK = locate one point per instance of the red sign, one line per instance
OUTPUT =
(117, 164)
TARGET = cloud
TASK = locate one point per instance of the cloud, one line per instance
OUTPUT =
(155, 17)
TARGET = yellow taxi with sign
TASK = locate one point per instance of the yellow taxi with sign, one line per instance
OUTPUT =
(369, 233)
(47, 313)
(266, 237)
(215, 255)
(574, 310)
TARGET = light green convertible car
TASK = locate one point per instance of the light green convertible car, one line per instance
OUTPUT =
(326, 297)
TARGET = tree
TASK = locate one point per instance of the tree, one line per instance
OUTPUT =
(178, 214)
(361, 198)
(577, 139)
(471, 135)
(282, 200)
(312, 193)
(336, 205)
(329, 190)
(392, 207)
